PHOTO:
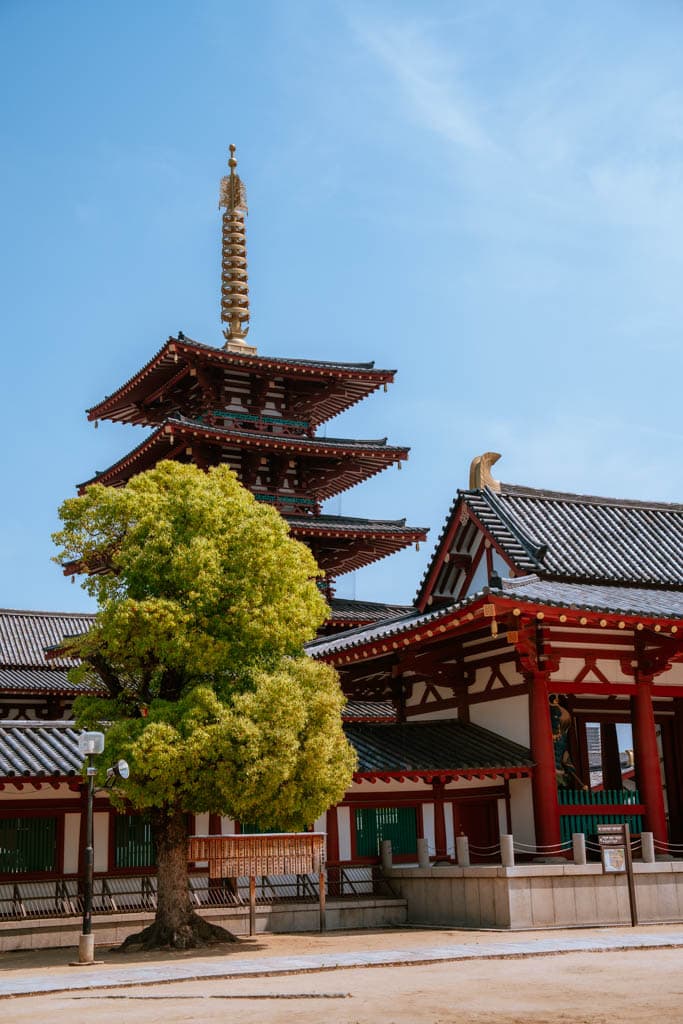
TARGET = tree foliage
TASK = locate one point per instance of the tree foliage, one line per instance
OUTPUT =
(205, 603)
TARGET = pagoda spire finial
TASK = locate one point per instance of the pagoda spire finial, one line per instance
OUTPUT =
(234, 282)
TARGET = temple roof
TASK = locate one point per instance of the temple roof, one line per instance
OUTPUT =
(369, 711)
(347, 610)
(360, 459)
(25, 635)
(575, 537)
(342, 544)
(43, 681)
(329, 387)
(29, 749)
(449, 746)
(601, 599)
(638, 601)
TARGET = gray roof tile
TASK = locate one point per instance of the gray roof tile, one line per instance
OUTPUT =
(24, 636)
(432, 747)
(30, 749)
(44, 680)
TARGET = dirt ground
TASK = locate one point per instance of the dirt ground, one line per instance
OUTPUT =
(576, 988)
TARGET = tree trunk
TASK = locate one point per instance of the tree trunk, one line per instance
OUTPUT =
(176, 925)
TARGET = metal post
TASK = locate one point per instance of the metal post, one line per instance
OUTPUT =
(86, 943)
(629, 876)
(321, 890)
(252, 905)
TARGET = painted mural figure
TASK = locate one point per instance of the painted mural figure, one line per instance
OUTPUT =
(561, 722)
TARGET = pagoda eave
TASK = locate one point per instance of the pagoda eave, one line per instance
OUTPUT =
(345, 550)
(175, 367)
(331, 467)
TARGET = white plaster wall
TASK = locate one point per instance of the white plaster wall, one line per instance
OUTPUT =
(72, 824)
(43, 795)
(344, 826)
(432, 716)
(101, 840)
(522, 811)
(227, 826)
(508, 716)
(201, 824)
(479, 580)
(320, 824)
(394, 786)
(428, 826)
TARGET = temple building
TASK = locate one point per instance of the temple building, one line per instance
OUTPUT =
(540, 613)
(534, 687)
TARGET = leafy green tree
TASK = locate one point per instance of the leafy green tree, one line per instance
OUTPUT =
(205, 602)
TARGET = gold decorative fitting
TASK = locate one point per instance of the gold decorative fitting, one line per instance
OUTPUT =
(234, 281)
(480, 472)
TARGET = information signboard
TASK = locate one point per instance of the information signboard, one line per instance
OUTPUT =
(615, 848)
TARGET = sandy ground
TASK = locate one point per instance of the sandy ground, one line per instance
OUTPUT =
(576, 988)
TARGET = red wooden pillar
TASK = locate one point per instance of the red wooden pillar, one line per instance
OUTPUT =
(646, 754)
(544, 779)
(215, 825)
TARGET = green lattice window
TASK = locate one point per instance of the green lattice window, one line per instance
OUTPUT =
(134, 847)
(28, 845)
(373, 824)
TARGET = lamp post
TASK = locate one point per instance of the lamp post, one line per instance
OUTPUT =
(90, 744)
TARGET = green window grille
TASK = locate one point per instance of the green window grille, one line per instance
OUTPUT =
(374, 824)
(134, 847)
(28, 845)
(588, 821)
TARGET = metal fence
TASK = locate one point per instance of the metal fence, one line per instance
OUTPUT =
(123, 895)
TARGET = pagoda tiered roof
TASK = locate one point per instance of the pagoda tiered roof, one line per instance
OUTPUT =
(175, 377)
(259, 414)
(332, 465)
(342, 543)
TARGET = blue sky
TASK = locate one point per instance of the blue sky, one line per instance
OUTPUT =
(487, 196)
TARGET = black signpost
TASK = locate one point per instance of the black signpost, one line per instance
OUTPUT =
(615, 847)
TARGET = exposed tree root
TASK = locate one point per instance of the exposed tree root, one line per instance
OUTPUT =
(193, 933)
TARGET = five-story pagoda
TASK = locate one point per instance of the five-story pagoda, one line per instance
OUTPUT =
(260, 415)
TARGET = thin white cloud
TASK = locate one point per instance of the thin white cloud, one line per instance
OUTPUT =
(428, 77)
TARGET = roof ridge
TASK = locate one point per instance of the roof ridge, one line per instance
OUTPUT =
(522, 491)
(59, 723)
(61, 615)
(530, 545)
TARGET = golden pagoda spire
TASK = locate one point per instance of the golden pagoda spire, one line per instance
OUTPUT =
(234, 284)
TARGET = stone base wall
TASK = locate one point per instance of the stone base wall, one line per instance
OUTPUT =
(289, 917)
(538, 895)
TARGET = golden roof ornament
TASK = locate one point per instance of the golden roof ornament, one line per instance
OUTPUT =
(480, 472)
(234, 282)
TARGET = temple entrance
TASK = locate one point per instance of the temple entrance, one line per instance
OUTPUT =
(478, 820)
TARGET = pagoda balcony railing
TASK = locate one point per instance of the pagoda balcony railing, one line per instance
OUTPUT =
(253, 421)
(294, 504)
